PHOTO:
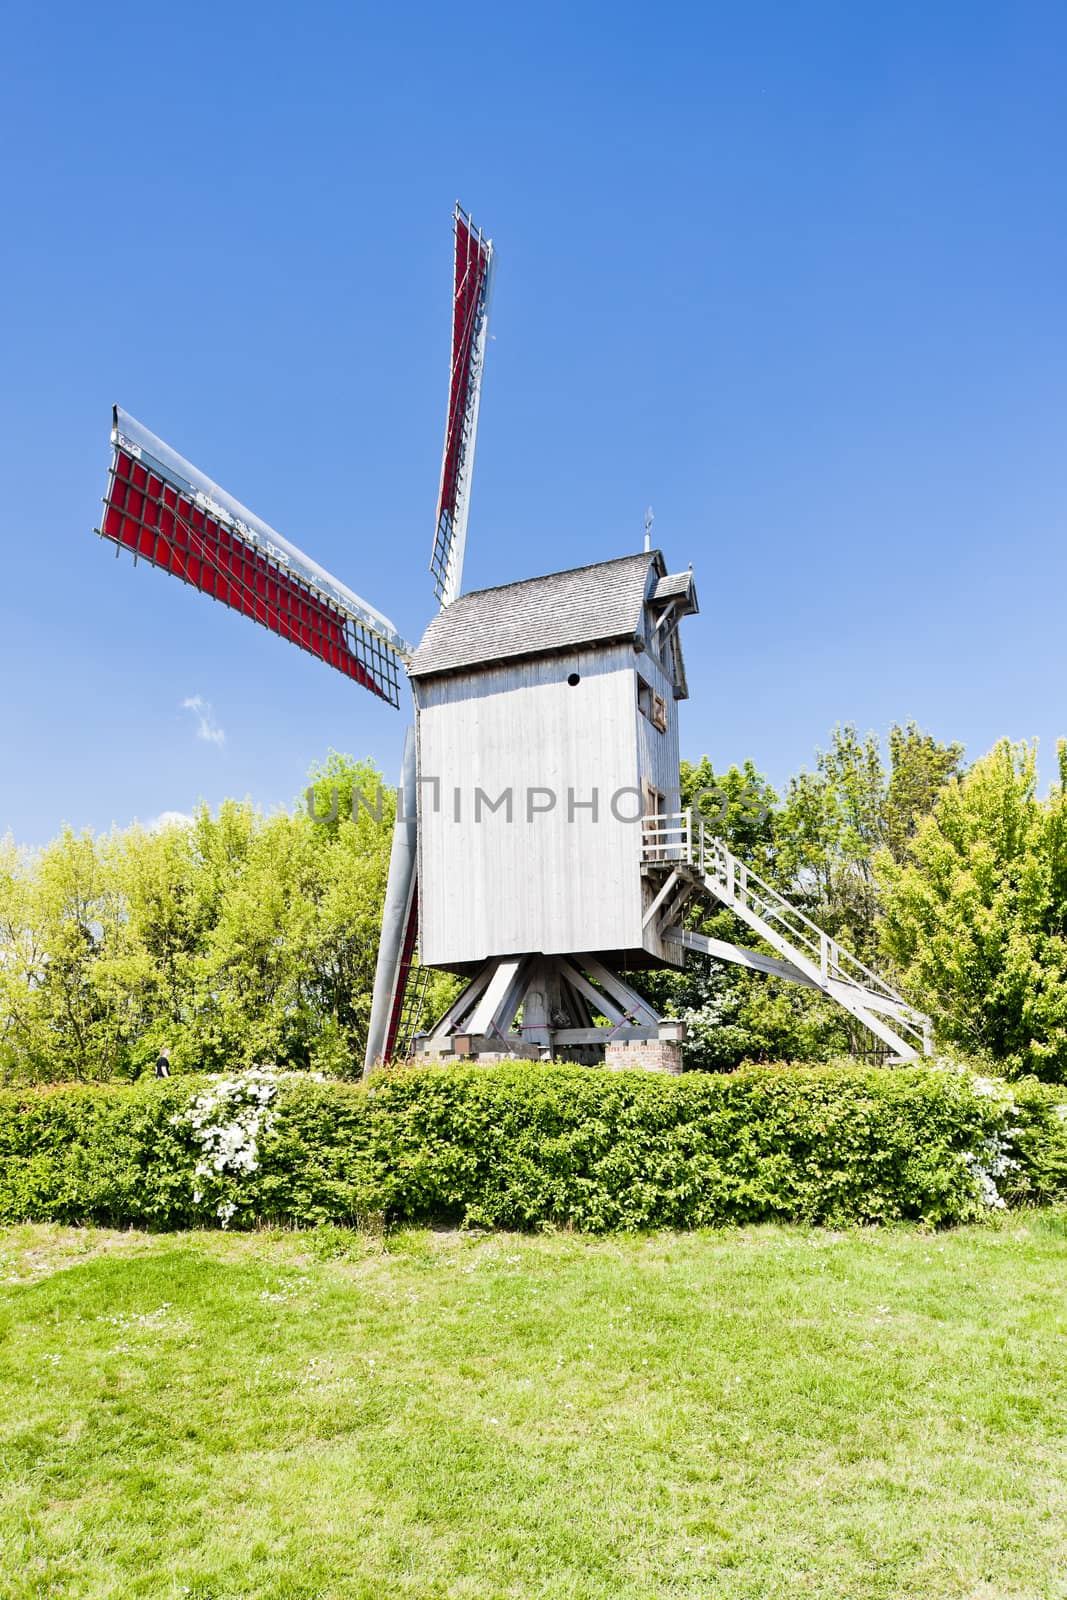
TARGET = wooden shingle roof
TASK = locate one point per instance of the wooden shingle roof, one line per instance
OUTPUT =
(539, 616)
(675, 586)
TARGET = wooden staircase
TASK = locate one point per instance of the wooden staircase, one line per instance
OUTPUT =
(681, 858)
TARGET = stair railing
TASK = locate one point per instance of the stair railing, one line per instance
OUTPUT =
(683, 837)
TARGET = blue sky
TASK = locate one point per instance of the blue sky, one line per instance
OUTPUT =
(793, 274)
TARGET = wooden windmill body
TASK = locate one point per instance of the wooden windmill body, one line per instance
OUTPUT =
(546, 734)
(546, 728)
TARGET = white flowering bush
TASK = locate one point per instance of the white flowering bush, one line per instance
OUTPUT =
(227, 1121)
(992, 1161)
(993, 1158)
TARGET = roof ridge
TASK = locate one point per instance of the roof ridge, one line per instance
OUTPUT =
(565, 572)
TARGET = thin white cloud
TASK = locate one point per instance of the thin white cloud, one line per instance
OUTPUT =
(169, 819)
(206, 726)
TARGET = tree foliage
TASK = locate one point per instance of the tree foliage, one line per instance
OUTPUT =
(240, 938)
(975, 912)
(835, 820)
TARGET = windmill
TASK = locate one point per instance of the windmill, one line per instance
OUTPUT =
(539, 849)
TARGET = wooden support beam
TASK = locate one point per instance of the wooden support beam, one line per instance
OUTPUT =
(541, 990)
(462, 1004)
(604, 1036)
(678, 903)
(490, 1044)
(599, 1002)
(753, 959)
(661, 899)
(621, 993)
(777, 968)
(576, 1005)
(496, 992)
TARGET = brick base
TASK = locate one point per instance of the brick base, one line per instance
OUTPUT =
(644, 1055)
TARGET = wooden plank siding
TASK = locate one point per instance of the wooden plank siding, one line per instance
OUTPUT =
(658, 766)
(561, 881)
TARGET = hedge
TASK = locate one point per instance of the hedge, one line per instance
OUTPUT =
(526, 1147)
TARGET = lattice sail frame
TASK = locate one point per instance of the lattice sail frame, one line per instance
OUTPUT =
(475, 264)
(166, 512)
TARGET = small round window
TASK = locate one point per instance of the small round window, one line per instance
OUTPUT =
(574, 679)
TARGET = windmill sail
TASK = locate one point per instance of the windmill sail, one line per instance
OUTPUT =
(163, 510)
(397, 959)
(470, 324)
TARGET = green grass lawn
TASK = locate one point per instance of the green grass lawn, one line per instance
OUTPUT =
(764, 1412)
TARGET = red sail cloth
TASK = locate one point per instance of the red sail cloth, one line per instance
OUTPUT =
(146, 514)
(472, 264)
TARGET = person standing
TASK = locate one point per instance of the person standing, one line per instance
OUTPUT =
(163, 1063)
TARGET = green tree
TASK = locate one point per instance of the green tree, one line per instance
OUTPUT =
(738, 807)
(64, 935)
(829, 829)
(340, 789)
(22, 956)
(975, 915)
(291, 954)
(835, 820)
(919, 768)
(236, 939)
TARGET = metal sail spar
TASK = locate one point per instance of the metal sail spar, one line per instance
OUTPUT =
(474, 269)
(166, 512)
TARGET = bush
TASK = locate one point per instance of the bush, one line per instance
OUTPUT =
(522, 1146)
(1039, 1118)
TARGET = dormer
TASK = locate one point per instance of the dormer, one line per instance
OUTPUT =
(669, 598)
